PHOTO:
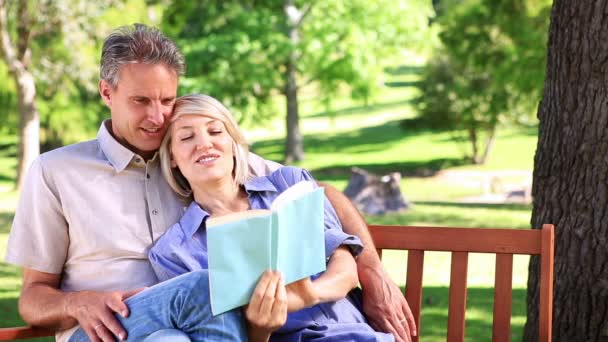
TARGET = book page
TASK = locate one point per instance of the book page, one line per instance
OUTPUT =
(301, 238)
(293, 192)
(239, 251)
(214, 221)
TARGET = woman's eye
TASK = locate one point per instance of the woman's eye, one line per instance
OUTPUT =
(188, 137)
(216, 131)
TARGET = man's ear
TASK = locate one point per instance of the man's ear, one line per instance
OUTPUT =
(105, 90)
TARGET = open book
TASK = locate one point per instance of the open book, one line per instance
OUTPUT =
(241, 246)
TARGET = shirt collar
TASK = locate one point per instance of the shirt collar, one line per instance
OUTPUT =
(192, 219)
(195, 215)
(259, 184)
(118, 155)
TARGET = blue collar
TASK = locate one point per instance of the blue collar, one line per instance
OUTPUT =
(195, 215)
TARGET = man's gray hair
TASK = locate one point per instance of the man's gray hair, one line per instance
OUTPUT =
(137, 43)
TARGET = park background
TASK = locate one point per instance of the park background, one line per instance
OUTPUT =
(444, 92)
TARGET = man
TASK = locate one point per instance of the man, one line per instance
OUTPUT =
(89, 212)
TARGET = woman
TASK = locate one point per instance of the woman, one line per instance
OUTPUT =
(204, 158)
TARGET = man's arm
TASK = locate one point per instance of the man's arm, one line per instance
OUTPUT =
(383, 303)
(42, 304)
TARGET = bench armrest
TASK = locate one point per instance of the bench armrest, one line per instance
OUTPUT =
(17, 333)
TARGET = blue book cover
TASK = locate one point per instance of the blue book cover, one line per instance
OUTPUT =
(289, 238)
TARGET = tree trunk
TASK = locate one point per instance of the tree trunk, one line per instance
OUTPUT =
(294, 146)
(29, 124)
(488, 146)
(570, 186)
(16, 58)
(473, 141)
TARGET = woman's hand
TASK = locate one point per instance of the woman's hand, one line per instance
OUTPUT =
(267, 310)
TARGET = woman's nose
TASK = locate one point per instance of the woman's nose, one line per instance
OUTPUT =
(203, 142)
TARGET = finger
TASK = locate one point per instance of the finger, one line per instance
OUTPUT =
(280, 307)
(91, 334)
(113, 326)
(400, 327)
(409, 317)
(258, 292)
(269, 295)
(127, 294)
(116, 304)
(104, 334)
(386, 326)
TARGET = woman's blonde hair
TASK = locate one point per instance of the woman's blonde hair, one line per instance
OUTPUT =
(205, 105)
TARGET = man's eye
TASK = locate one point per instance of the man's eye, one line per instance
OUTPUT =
(140, 100)
(168, 102)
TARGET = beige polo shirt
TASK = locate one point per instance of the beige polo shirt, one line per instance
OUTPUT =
(90, 212)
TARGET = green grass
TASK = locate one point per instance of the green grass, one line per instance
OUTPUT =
(351, 134)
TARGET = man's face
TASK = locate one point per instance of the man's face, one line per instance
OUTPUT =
(141, 105)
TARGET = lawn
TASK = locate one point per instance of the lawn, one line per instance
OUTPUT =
(370, 137)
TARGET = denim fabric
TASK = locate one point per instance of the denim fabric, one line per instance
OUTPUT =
(166, 335)
(181, 303)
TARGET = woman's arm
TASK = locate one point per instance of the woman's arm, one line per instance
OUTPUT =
(339, 278)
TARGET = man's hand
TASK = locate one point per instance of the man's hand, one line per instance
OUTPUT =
(385, 306)
(95, 312)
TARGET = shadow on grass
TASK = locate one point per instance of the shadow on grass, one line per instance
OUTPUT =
(360, 109)
(501, 206)
(426, 168)
(480, 301)
(402, 84)
(368, 139)
(404, 70)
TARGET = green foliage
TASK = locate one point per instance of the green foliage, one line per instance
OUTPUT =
(490, 67)
(238, 50)
(65, 49)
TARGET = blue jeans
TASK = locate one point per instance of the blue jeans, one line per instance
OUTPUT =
(181, 303)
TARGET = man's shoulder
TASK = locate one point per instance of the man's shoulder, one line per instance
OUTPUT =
(85, 150)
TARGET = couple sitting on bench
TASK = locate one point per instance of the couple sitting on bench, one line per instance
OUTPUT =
(90, 214)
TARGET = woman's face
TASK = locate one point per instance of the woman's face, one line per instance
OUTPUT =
(202, 149)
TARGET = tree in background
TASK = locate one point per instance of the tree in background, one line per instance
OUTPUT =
(571, 173)
(488, 69)
(246, 52)
(50, 49)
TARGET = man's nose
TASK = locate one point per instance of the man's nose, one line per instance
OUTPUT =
(157, 113)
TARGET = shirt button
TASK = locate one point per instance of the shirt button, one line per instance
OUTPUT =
(154, 212)
(148, 176)
(138, 160)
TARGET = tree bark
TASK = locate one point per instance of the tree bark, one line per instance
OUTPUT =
(16, 60)
(294, 145)
(570, 186)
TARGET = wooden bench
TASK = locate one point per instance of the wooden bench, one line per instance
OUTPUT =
(460, 241)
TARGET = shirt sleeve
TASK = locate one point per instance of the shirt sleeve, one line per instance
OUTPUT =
(334, 235)
(39, 237)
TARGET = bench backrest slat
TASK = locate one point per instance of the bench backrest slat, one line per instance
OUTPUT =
(503, 286)
(461, 241)
(458, 296)
(413, 295)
